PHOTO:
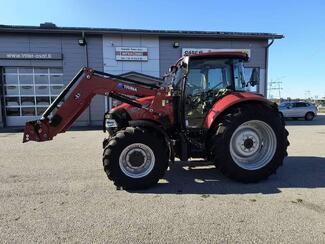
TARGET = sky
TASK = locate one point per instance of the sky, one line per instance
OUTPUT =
(297, 60)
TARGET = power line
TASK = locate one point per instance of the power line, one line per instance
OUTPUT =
(275, 87)
(307, 94)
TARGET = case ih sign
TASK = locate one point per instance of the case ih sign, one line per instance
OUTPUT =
(189, 51)
(131, 54)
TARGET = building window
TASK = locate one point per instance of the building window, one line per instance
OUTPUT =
(28, 91)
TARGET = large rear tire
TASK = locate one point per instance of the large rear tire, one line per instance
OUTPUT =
(249, 142)
(135, 158)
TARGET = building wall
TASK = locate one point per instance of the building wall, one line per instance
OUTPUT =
(162, 54)
(1, 117)
(150, 67)
(74, 57)
(101, 56)
(169, 54)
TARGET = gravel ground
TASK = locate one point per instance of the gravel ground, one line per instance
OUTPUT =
(57, 192)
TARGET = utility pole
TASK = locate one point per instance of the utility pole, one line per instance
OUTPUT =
(307, 94)
(275, 87)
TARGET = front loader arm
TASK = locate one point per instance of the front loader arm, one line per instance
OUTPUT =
(77, 96)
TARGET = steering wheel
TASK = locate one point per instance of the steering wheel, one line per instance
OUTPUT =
(192, 88)
(220, 83)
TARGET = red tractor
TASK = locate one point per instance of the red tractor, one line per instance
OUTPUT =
(203, 112)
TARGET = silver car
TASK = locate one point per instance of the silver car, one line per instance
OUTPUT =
(304, 110)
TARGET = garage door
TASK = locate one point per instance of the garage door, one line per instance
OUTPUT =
(28, 91)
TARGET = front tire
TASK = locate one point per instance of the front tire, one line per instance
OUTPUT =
(135, 158)
(249, 143)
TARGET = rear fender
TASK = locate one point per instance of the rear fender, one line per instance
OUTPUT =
(230, 100)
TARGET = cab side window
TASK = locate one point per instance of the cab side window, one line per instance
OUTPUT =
(206, 75)
(217, 78)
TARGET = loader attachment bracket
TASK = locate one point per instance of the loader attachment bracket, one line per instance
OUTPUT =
(37, 130)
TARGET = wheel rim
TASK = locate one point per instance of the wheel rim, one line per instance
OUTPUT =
(137, 160)
(253, 145)
(310, 116)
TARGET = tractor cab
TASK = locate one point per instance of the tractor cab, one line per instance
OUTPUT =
(201, 79)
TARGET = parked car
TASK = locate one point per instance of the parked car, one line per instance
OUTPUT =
(305, 110)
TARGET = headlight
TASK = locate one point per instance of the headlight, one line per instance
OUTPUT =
(110, 123)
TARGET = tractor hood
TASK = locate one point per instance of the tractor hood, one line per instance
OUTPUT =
(144, 101)
(145, 108)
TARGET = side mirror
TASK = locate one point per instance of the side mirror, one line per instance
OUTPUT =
(255, 77)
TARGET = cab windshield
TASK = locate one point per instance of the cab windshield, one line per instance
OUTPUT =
(240, 82)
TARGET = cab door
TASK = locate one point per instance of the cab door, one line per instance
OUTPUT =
(204, 79)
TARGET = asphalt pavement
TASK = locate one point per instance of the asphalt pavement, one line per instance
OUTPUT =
(57, 192)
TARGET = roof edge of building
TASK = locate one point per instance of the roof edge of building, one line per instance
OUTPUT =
(102, 31)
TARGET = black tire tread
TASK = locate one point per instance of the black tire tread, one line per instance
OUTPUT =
(119, 140)
(218, 147)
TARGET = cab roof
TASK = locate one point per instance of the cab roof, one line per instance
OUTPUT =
(230, 54)
(217, 55)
